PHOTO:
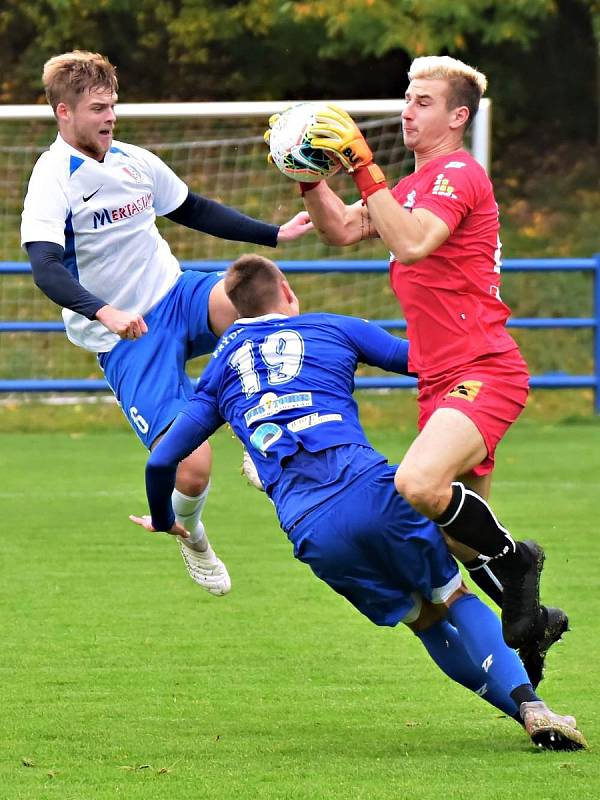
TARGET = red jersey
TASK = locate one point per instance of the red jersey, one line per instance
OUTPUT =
(451, 298)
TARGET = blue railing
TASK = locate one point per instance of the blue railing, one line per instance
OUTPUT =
(553, 381)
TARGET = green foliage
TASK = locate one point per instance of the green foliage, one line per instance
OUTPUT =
(374, 28)
(261, 49)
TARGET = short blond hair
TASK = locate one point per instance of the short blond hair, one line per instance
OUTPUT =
(67, 76)
(466, 84)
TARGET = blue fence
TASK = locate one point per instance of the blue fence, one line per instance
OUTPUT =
(554, 381)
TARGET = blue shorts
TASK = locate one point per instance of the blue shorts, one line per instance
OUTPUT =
(148, 375)
(375, 550)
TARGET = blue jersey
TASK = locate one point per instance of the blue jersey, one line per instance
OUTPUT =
(285, 385)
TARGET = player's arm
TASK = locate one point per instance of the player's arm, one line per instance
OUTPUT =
(182, 438)
(56, 282)
(202, 214)
(376, 346)
(410, 236)
(335, 222)
(198, 420)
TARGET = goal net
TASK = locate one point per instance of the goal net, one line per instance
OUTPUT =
(218, 150)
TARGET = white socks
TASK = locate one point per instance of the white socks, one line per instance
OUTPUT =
(188, 511)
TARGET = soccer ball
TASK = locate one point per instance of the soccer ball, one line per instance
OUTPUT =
(290, 148)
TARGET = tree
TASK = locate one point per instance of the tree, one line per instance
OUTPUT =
(292, 49)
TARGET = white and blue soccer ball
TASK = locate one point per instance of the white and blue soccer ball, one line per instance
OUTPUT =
(291, 150)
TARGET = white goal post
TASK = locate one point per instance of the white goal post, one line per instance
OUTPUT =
(480, 130)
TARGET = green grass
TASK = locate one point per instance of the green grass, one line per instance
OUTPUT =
(121, 678)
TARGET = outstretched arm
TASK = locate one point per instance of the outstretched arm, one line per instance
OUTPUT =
(198, 420)
(376, 346)
(208, 216)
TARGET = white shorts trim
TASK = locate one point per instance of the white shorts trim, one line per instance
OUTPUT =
(413, 614)
(438, 595)
(443, 593)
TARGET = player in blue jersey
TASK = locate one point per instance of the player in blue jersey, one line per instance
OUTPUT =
(89, 226)
(284, 383)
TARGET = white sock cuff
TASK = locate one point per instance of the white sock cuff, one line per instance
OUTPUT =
(186, 506)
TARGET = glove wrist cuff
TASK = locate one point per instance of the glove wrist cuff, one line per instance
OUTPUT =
(306, 187)
(368, 179)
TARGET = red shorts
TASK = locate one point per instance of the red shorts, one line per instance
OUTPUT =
(491, 390)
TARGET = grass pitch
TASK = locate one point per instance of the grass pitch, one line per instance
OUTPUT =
(121, 678)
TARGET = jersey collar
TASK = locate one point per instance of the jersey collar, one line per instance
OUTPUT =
(264, 318)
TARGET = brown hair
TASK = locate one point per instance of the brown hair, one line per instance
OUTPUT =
(465, 84)
(252, 284)
(66, 77)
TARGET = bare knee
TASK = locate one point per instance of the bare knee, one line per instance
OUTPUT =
(193, 473)
(425, 493)
(429, 614)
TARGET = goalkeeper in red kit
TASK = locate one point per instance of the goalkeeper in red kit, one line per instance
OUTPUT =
(441, 226)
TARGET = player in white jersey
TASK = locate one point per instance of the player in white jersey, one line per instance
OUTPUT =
(89, 226)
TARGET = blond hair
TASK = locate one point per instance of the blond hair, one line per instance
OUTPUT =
(67, 76)
(466, 85)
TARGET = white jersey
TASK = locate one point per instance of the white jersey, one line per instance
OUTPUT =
(104, 215)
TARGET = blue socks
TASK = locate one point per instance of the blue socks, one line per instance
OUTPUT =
(445, 647)
(473, 653)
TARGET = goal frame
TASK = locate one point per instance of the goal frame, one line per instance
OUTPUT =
(480, 129)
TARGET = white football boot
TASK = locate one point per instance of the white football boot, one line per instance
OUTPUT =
(206, 569)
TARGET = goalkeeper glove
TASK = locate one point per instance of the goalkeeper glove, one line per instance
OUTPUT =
(336, 132)
(267, 134)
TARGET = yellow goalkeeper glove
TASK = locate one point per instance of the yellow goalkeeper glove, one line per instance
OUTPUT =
(267, 134)
(336, 132)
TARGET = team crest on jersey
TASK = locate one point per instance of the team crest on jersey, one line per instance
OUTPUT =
(467, 390)
(411, 198)
(133, 173)
(443, 187)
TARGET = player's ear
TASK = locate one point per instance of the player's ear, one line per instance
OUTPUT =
(290, 297)
(62, 112)
(460, 116)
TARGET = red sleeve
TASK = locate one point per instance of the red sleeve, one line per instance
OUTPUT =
(452, 192)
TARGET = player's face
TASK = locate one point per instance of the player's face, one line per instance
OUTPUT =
(426, 122)
(88, 126)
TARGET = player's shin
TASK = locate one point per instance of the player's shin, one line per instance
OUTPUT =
(188, 511)
(517, 565)
(481, 633)
(443, 643)
(481, 572)
(470, 520)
